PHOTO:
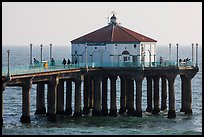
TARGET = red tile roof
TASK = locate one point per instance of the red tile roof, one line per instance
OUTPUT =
(113, 33)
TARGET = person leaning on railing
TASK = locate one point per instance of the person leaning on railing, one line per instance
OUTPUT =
(36, 62)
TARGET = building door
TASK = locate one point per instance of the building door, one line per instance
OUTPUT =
(126, 56)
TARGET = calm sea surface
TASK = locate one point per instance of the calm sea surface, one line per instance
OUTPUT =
(121, 125)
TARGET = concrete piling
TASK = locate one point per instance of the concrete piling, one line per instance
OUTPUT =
(171, 112)
(104, 110)
(97, 98)
(156, 109)
(113, 108)
(40, 99)
(138, 111)
(186, 95)
(68, 109)
(52, 99)
(131, 110)
(86, 109)
(60, 97)
(26, 87)
(77, 103)
(149, 94)
(122, 96)
(163, 94)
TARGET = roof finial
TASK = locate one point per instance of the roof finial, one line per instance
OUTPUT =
(113, 18)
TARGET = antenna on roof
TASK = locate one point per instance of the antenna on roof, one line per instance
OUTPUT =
(113, 12)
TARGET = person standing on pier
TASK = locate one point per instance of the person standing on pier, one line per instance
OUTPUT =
(64, 62)
(68, 62)
(52, 62)
(161, 60)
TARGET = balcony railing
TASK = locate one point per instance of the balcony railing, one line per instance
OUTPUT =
(47, 66)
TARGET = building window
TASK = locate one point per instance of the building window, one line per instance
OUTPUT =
(105, 47)
(75, 52)
(125, 47)
(134, 45)
(95, 47)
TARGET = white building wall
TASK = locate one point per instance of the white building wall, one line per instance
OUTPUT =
(112, 53)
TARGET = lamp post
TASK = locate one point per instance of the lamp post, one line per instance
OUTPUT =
(196, 55)
(192, 54)
(8, 74)
(31, 54)
(50, 51)
(150, 58)
(177, 54)
(169, 51)
(41, 53)
(86, 56)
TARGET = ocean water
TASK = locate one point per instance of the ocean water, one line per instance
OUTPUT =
(89, 125)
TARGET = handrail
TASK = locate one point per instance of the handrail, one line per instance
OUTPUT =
(45, 67)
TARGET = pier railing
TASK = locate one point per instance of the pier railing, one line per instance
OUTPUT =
(48, 66)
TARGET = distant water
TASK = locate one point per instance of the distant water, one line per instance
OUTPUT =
(88, 125)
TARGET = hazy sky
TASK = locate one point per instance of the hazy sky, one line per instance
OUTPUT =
(59, 23)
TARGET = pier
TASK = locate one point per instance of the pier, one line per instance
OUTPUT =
(95, 91)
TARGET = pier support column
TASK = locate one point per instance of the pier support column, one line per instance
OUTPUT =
(122, 95)
(104, 110)
(131, 110)
(171, 112)
(186, 95)
(86, 109)
(113, 108)
(149, 94)
(138, 101)
(91, 93)
(183, 94)
(77, 104)
(156, 109)
(163, 94)
(97, 98)
(26, 87)
(60, 97)
(68, 110)
(40, 99)
(52, 99)
(127, 93)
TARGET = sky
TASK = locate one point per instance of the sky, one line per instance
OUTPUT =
(60, 22)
